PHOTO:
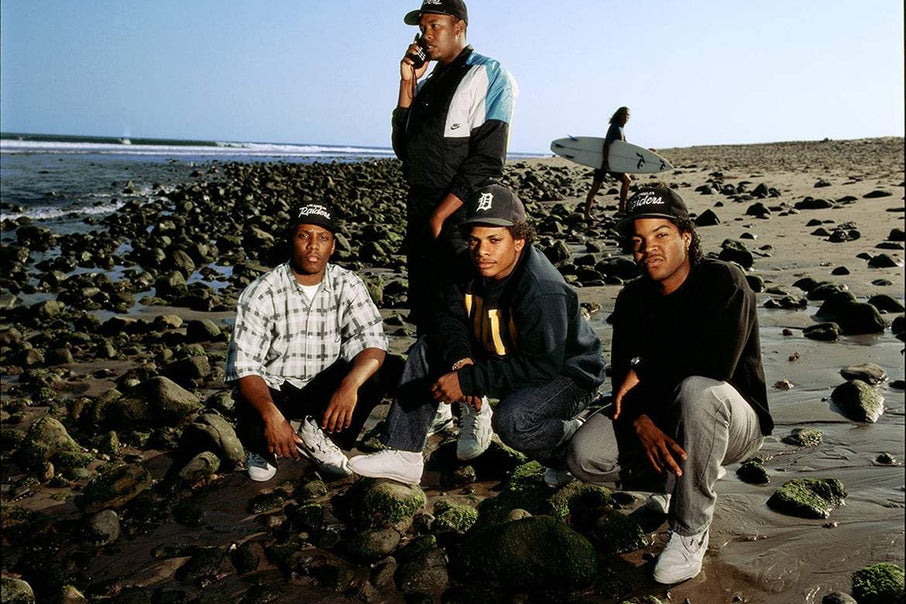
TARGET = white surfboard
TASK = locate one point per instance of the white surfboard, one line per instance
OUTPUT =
(623, 156)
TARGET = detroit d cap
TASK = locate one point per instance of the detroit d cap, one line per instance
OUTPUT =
(655, 202)
(317, 213)
(494, 205)
(454, 8)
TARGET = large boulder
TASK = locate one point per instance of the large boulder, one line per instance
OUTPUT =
(156, 402)
(538, 552)
(858, 401)
(211, 432)
(46, 438)
(808, 497)
(852, 316)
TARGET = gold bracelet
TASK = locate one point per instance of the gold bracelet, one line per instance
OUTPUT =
(460, 364)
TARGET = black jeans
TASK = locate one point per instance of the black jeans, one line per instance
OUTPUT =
(311, 400)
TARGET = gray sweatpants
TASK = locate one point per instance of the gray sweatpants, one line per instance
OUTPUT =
(714, 425)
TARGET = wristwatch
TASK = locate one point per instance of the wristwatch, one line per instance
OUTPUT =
(635, 364)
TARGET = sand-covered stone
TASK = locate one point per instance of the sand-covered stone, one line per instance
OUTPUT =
(880, 583)
(859, 401)
(531, 553)
(870, 373)
(808, 497)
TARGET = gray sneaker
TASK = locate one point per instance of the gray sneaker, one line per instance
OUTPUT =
(259, 468)
(401, 466)
(475, 431)
(326, 455)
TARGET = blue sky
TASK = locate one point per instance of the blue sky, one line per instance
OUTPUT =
(326, 71)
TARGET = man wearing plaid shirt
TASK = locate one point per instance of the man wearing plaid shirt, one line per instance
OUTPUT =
(306, 347)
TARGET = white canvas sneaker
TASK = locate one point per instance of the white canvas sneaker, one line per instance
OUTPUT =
(475, 431)
(555, 478)
(443, 419)
(259, 469)
(326, 455)
(401, 466)
(681, 558)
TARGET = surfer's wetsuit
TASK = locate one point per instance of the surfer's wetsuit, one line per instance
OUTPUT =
(452, 139)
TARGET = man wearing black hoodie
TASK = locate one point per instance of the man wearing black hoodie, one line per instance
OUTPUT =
(513, 331)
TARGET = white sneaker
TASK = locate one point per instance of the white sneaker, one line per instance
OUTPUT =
(555, 478)
(259, 469)
(443, 419)
(681, 559)
(401, 466)
(326, 455)
(659, 502)
(475, 431)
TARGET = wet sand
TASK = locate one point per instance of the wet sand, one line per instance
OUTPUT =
(756, 554)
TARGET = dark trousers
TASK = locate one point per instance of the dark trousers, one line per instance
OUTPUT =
(432, 263)
(536, 420)
(311, 400)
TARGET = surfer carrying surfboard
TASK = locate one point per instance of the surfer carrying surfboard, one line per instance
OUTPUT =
(614, 133)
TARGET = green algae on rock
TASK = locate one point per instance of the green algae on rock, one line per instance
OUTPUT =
(531, 553)
(808, 497)
(879, 584)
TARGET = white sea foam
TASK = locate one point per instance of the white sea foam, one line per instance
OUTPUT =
(220, 149)
(51, 213)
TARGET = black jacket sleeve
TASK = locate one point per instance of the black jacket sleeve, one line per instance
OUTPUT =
(398, 134)
(487, 154)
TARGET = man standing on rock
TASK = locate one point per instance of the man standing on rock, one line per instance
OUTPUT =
(687, 359)
(513, 331)
(307, 344)
(450, 131)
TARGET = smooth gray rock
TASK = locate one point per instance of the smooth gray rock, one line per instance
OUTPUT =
(859, 401)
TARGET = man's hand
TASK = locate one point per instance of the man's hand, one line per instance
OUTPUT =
(436, 225)
(628, 384)
(280, 436)
(408, 72)
(447, 390)
(338, 415)
(662, 451)
(474, 402)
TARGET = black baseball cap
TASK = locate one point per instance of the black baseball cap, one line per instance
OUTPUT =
(655, 202)
(494, 205)
(317, 213)
(454, 8)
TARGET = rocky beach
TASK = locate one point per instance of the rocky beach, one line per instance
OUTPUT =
(123, 480)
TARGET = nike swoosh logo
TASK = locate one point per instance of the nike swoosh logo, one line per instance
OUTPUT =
(454, 127)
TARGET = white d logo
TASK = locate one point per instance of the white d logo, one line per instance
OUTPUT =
(484, 202)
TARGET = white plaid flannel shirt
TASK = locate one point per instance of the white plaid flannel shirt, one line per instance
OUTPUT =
(282, 336)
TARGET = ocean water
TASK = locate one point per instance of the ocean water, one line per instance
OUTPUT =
(60, 181)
